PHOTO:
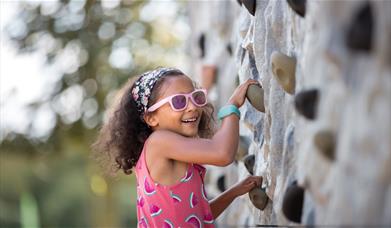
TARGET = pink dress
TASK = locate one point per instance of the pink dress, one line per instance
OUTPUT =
(183, 204)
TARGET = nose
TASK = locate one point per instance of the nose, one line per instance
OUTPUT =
(191, 106)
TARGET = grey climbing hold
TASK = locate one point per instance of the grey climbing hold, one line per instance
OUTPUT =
(325, 142)
(258, 198)
(255, 97)
(244, 144)
(359, 34)
(298, 6)
(250, 6)
(249, 162)
(306, 103)
(284, 70)
(292, 204)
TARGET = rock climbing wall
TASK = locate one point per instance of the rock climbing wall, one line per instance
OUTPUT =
(322, 137)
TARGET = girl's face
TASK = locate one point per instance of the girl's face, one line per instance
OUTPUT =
(165, 118)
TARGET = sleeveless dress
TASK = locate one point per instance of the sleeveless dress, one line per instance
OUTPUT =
(183, 204)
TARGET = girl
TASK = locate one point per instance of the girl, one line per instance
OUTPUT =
(161, 130)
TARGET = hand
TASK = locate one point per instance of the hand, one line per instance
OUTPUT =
(239, 95)
(246, 185)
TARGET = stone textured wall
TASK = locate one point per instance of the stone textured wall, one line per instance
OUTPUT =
(341, 156)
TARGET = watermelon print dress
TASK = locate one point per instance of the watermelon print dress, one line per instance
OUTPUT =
(183, 204)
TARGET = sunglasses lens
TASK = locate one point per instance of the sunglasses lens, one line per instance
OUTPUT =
(179, 101)
(199, 98)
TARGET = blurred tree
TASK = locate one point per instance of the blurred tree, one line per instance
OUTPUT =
(94, 46)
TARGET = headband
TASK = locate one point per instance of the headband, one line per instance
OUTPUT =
(143, 86)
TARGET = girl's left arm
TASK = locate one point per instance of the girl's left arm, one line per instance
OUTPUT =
(221, 202)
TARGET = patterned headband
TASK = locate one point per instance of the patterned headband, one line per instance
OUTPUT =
(143, 86)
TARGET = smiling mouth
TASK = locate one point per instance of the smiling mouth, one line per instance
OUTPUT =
(190, 120)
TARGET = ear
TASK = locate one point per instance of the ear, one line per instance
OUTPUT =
(151, 120)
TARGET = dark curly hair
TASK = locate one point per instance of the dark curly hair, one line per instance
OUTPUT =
(122, 136)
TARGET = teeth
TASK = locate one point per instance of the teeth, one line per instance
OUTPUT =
(190, 120)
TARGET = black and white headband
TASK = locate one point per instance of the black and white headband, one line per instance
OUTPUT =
(143, 86)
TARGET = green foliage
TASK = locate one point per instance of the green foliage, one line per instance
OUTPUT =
(95, 46)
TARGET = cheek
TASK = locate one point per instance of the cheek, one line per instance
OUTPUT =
(172, 115)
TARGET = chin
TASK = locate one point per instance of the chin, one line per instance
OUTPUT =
(190, 134)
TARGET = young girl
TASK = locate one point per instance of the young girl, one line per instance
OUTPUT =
(161, 129)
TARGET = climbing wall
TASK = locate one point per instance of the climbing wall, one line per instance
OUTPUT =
(319, 129)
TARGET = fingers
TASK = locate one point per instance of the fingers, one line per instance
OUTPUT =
(239, 94)
(251, 81)
(255, 179)
(248, 82)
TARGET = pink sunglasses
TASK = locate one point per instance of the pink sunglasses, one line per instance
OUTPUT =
(179, 102)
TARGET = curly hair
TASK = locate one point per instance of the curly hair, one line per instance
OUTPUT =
(121, 138)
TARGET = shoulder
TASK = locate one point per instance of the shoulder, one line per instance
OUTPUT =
(161, 136)
(163, 139)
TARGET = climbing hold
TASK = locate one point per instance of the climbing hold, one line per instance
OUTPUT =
(325, 142)
(258, 198)
(255, 96)
(229, 49)
(221, 183)
(359, 34)
(284, 69)
(249, 162)
(250, 6)
(208, 76)
(292, 204)
(298, 6)
(201, 45)
(306, 103)
(244, 144)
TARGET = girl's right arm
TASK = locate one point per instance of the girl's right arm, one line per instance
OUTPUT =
(219, 150)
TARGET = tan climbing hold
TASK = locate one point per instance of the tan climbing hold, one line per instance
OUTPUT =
(244, 144)
(284, 69)
(258, 198)
(255, 97)
(325, 142)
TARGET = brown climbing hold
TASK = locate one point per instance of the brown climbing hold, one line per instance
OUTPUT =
(359, 35)
(249, 162)
(292, 204)
(208, 76)
(255, 97)
(325, 142)
(306, 103)
(298, 6)
(284, 69)
(244, 144)
(250, 6)
(258, 198)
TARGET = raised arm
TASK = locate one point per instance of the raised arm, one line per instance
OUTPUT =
(219, 150)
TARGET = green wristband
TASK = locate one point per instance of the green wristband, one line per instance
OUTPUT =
(227, 110)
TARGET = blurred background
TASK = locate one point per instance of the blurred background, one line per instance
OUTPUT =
(61, 64)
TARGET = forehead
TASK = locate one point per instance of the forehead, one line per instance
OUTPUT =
(176, 84)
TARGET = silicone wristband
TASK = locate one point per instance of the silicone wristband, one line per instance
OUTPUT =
(228, 110)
